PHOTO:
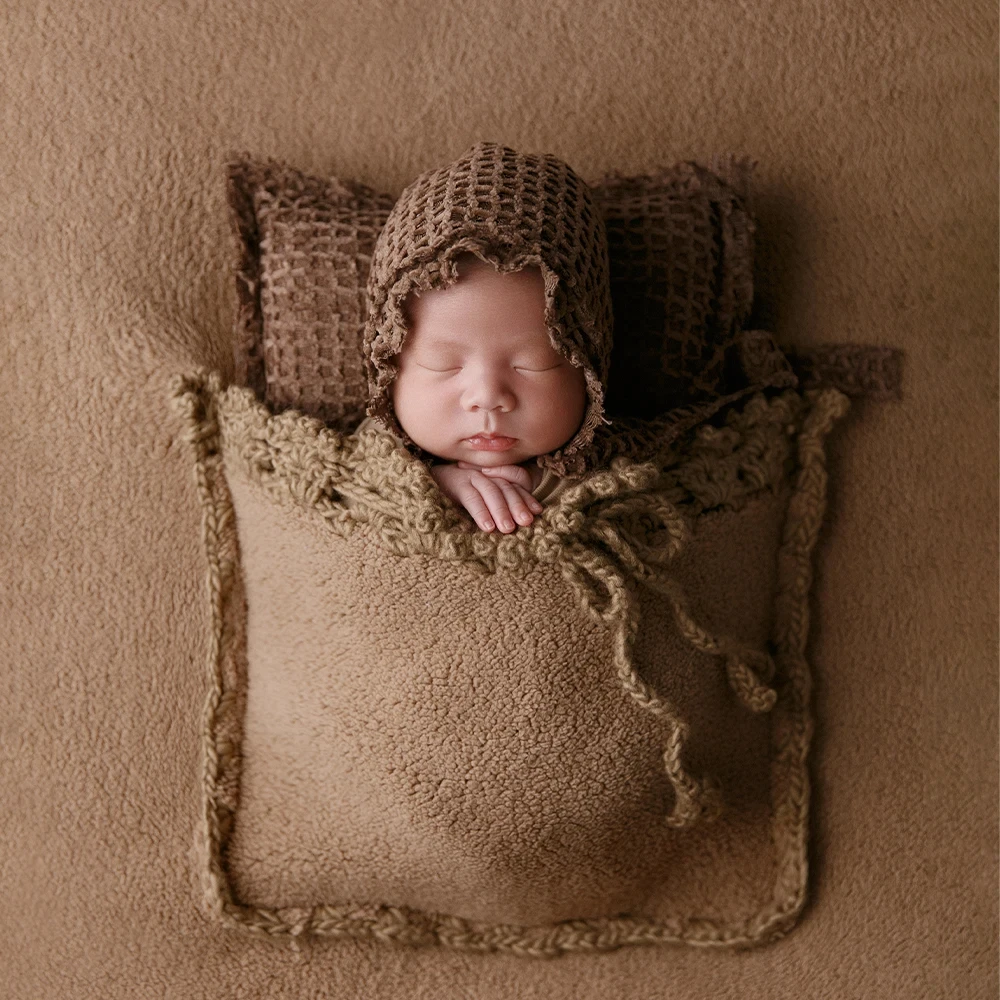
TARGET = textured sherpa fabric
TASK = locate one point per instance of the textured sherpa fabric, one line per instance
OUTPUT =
(538, 742)
(875, 125)
(513, 210)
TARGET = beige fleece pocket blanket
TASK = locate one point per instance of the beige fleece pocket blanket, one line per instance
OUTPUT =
(589, 733)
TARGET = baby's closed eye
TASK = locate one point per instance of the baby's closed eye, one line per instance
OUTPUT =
(529, 369)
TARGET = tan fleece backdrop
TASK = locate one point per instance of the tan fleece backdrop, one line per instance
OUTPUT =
(875, 131)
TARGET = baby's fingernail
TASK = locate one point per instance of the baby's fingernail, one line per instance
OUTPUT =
(506, 525)
(488, 525)
(524, 518)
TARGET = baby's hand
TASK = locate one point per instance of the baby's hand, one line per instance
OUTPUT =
(500, 494)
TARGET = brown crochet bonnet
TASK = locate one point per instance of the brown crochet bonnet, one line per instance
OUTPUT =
(513, 210)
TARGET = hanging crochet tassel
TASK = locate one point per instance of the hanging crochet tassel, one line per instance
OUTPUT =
(605, 585)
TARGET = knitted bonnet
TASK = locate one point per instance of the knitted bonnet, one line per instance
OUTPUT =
(513, 210)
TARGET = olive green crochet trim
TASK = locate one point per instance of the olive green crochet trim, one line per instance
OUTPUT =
(609, 532)
(298, 459)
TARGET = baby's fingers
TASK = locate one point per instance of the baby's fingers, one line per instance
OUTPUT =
(516, 474)
(520, 501)
(486, 502)
(514, 504)
(534, 504)
(474, 503)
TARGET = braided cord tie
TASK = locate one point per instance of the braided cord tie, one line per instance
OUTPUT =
(606, 553)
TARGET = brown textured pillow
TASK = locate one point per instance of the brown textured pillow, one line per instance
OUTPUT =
(680, 242)
(681, 248)
(305, 251)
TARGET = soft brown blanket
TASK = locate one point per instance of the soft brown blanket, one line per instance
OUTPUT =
(875, 129)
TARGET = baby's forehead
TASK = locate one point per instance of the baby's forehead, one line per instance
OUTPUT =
(439, 341)
(498, 300)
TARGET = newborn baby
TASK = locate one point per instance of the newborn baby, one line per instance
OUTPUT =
(480, 387)
(488, 335)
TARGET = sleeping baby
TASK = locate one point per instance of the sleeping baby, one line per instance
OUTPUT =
(489, 330)
(481, 388)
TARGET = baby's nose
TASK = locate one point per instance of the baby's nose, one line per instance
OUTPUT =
(489, 397)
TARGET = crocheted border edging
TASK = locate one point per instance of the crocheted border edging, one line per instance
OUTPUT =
(194, 397)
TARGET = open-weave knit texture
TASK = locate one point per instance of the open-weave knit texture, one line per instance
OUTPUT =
(682, 257)
(514, 210)
(304, 247)
(614, 538)
(681, 265)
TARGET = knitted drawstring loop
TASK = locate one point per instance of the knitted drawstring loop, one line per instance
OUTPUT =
(603, 560)
(748, 669)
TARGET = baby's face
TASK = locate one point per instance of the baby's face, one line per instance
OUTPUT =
(477, 360)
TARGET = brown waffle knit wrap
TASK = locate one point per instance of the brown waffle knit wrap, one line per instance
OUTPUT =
(513, 210)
